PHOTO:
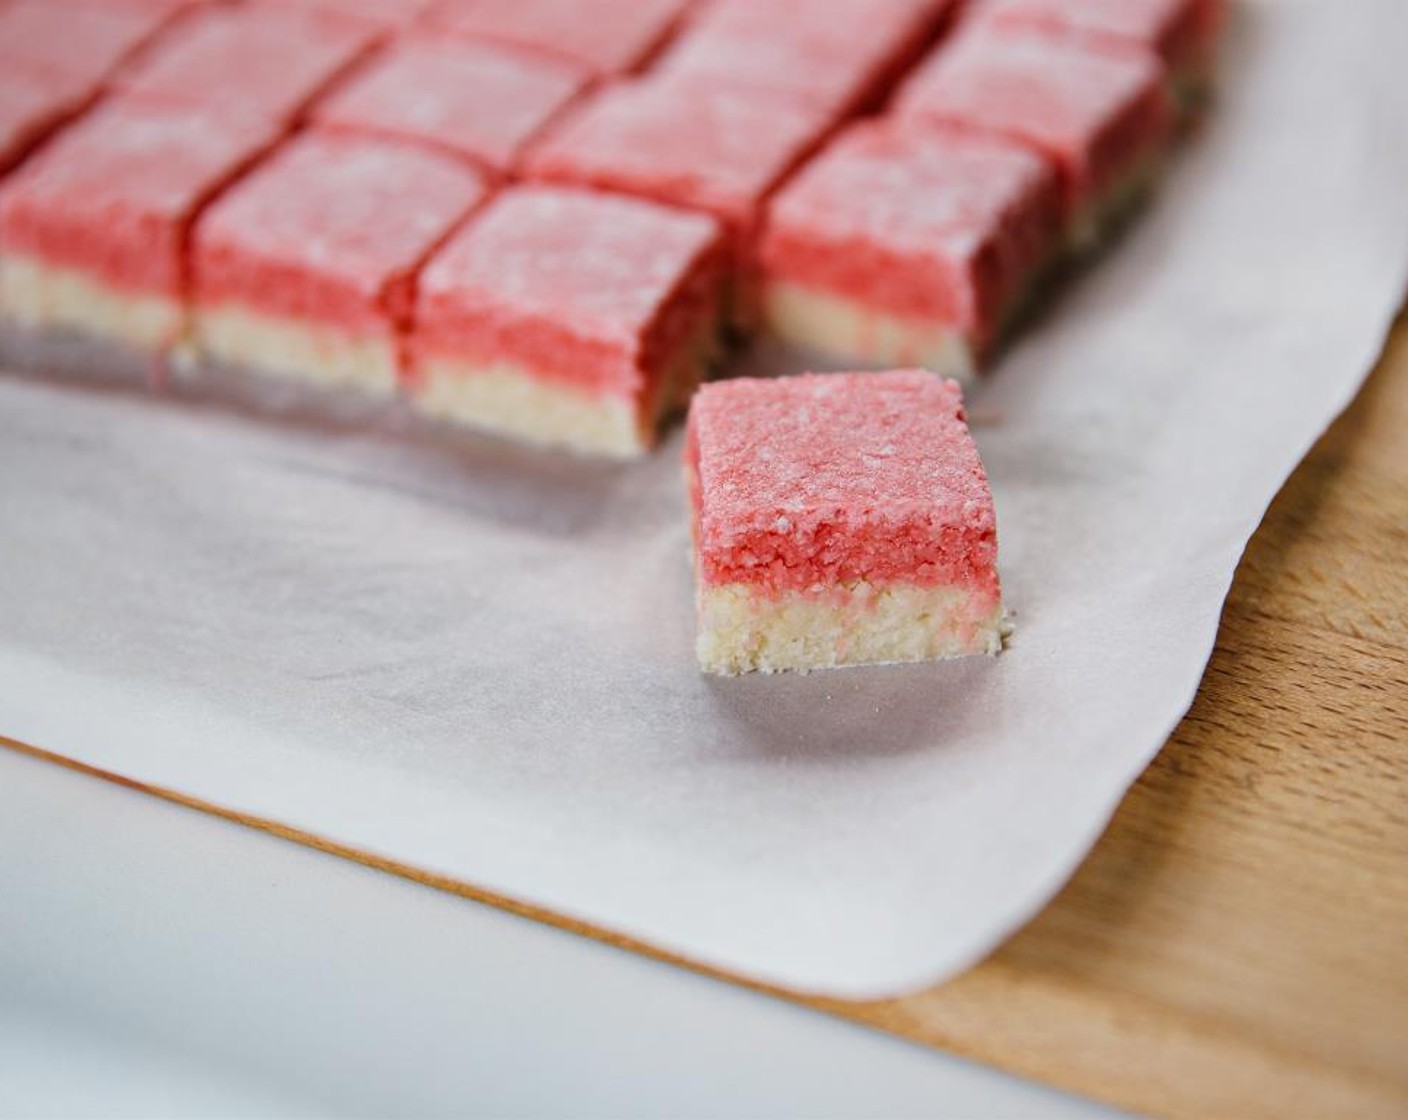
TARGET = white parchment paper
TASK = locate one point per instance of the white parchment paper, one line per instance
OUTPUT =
(479, 661)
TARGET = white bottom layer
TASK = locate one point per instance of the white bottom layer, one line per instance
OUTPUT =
(741, 631)
(296, 350)
(511, 400)
(47, 299)
(843, 328)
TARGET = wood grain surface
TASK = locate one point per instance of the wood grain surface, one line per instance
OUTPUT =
(1237, 943)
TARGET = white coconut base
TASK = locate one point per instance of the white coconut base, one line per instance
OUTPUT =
(507, 399)
(846, 329)
(232, 337)
(40, 299)
(742, 630)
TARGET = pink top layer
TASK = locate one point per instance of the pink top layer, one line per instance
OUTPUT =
(162, 8)
(114, 194)
(1181, 31)
(258, 60)
(608, 36)
(32, 103)
(384, 13)
(1097, 113)
(806, 483)
(85, 40)
(841, 53)
(918, 221)
(332, 228)
(469, 98)
(713, 149)
(590, 289)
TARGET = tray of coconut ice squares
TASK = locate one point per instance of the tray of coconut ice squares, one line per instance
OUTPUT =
(551, 223)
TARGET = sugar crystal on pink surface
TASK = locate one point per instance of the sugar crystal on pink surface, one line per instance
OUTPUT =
(817, 481)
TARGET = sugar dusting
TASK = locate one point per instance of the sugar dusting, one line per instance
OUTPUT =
(713, 148)
(897, 216)
(600, 266)
(480, 101)
(1089, 109)
(357, 211)
(824, 479)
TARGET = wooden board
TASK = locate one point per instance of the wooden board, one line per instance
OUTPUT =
(1237, 943)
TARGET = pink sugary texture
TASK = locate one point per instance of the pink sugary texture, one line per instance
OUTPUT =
(608, 36)
(82, 40)
(717, 149)
(114, 194)
(383, 13)
(258, 60)
(33, 104)
(1097, 113)
(334, 229)
(588, 290)
(918, 221)
(842, 53)
(812, 483)
(158, 8)
(1182, 32)
(476, 100)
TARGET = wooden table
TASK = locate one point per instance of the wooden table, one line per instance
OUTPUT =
(1237, 943)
